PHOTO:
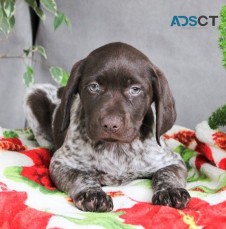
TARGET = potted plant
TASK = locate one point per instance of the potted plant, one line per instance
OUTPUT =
(218, 117)
(7, 23)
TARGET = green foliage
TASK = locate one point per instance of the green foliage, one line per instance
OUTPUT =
(59, 75)
(36, 48)
(8, 9)
(50, 5)
(28, 76)
(218, 118)
(7, 22)
(222, 31)
(7, 18)
(59, 19)
(33, 4)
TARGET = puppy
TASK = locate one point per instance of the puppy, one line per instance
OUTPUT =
(103, 128)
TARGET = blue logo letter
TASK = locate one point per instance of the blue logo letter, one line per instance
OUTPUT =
(186, 20)
(175, 21)
(193, 20)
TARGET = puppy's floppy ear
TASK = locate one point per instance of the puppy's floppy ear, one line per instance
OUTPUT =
(67, 95)
(60, 92)
(164, 103)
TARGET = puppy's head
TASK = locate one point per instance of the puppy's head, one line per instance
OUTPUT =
(117, 85)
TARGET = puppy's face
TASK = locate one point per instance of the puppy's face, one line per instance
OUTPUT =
(117, 85)
(116, 93)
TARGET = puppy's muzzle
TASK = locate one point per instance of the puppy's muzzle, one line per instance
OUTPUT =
(111, 124)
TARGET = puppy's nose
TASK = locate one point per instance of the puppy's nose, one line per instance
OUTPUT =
(111, 124)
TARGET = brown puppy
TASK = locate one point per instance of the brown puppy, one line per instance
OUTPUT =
(104, 135)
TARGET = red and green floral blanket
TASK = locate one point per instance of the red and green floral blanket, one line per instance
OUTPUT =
(28, 199)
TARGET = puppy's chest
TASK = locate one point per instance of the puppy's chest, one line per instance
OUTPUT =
(118, 164)
(115, 167)
(122, 164)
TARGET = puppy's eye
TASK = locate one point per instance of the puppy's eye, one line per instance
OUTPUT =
(94, 87)
(134, 90)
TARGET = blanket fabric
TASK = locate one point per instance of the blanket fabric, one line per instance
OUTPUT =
(28, 198)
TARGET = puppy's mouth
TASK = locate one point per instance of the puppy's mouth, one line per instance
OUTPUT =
(110, 140)
(114, 139)
(118, 139)
(125, 136)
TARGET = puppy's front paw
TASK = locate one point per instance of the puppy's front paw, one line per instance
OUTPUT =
(172, 197)
(93, 201)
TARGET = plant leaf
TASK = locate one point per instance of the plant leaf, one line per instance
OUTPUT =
(64, 78)
(34, 6)
(12, 22)
(7, 19)
(50, 5)
(59, 75)
(28, 77)
(222, 34)
(36, 48)
(68, 22)
(218, 118)
(58, 20)
(9, 8)
(27, 51)
(5, 25)
(6, 8)
(41, 50)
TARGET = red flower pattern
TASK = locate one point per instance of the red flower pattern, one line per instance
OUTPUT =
(39, 172)
(220, 139)
(222, 164)
(39, 175)
(197, 214)
(186, 137)
(3, 187)
(205, 150)
(199, 161)
(150, 216)
(11, 144)
(15, 214)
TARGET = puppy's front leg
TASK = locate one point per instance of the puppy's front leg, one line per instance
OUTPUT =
(168, 185)
(81, 186)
